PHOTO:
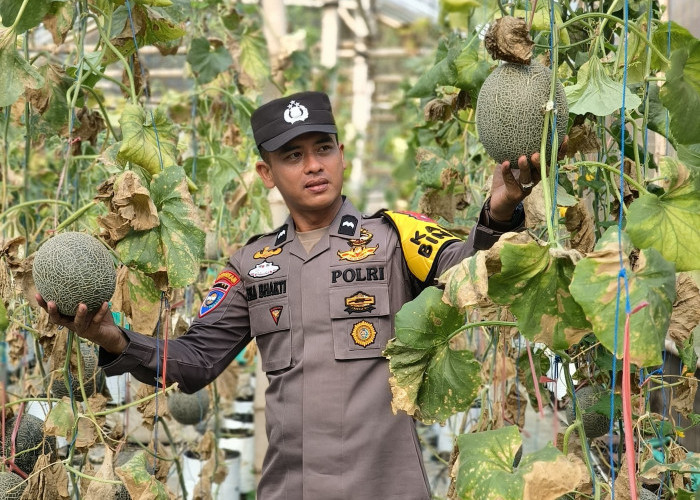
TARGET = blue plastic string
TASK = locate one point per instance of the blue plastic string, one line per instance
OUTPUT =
(622, 275)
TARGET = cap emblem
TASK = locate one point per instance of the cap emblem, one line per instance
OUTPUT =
(295, 112)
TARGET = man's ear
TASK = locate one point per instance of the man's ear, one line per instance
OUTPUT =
(265, 173)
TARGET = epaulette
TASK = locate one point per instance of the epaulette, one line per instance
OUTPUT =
(280, 235)
(422, 240)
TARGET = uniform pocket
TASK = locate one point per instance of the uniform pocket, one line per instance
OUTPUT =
(361, 321)
(270, 327)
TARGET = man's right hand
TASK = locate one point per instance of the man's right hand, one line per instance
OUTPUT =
(96, 327)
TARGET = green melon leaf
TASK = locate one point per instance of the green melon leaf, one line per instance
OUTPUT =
(31, 17)
(670, 223)
(139, 482)
(431, 381)
(680, 37)
(486, 468)
(594, 286)
(253, 57)
(161, 30)
(443, 72)
(430, 166)
(471, 71)
(459, 5)
(206, 63)
(142, 145)
(534, 283)
(690, 464)
(60, 420)
(16, 74)
(177, 244)
(681, 94)
(595, 92)
(4, 318)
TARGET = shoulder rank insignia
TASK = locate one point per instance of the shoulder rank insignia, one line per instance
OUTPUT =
(223, 284)
(363, 333)
(421, 240)
(358, 247)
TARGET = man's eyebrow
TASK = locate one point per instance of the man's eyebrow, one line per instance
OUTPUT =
(290, 146)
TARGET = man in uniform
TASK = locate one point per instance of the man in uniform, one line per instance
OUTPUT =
(318, 295)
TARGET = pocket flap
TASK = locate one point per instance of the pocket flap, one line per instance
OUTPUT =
(268, 317)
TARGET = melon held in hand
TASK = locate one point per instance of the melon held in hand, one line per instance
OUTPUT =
(71, 268)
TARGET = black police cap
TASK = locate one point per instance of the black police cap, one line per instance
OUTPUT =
(281, 120)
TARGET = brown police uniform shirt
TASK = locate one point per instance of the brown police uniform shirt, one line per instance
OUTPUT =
(321, 321)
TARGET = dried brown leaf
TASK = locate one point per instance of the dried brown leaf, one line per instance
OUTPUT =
(147, 409)
(684, 395)
(514, 407)
(98, 489)
(541, 484)
(535, 215)
(133, 202)
(48, 481)
(582, 139)
(142, 313)
(508, 39)
(686, 309)
(580, 224)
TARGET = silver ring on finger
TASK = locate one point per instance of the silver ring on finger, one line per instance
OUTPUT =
(527, 186)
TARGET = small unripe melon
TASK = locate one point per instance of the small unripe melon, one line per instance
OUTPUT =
(189, 409)
(594, 424)
(510, 111)
(11, 486)
(71, 268)
(122, 493)
(30, 442)
(91, 376)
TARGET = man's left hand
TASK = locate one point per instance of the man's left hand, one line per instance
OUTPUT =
(510, 187)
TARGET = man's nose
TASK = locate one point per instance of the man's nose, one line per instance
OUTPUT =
(312, 163)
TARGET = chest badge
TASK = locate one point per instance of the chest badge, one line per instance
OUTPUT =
(358, 247)
(266, 253)
(363, 333)
(360, 302)
(263, 270)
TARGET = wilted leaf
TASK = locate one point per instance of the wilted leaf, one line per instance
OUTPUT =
(466, 284)
(177, 245)
(582, 139)
(48, 481)
(149, 139)
(686, 309)
(59, 422)
(133, 202)
(59, 20)
(580, 224)
(681, 93)
(684, 395)
(486, 468)
(17, 74)
(50, 99)
(137, 297)
(534, 283)
(148, 407)
(252, 58)
(508, 39)
(670, 222)
(104, 490)
(652, 468)
(431, 381)
(595, 92)
(595, 288)
(206, 63)
(139, 482)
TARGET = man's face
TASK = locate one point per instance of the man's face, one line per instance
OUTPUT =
(308, 171)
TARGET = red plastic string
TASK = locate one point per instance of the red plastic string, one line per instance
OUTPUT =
(627, 406)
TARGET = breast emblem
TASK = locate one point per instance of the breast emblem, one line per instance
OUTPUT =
(358, 247)
(363, 333)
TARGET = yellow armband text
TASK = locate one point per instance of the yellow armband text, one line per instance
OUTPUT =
(421, 240)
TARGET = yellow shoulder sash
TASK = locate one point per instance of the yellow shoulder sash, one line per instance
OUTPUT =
(422, 239)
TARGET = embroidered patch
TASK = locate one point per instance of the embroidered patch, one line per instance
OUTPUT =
(363, 333)
(360, 302)
(347, 225)
(263, 270)
(266, 252)
(358, 248)
(223, 284)
(295, 112)
(275, 313)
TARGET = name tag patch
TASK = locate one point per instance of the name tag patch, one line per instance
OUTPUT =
(225, 281)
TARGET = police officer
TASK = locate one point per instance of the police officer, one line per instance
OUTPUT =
(318, 295)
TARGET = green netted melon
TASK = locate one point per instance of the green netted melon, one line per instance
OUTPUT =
(189, 409)
(122, 493)
(71, 268)
(30, 442)
(594, 424)
(92, 376)
(11, 486)
(510, 111)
